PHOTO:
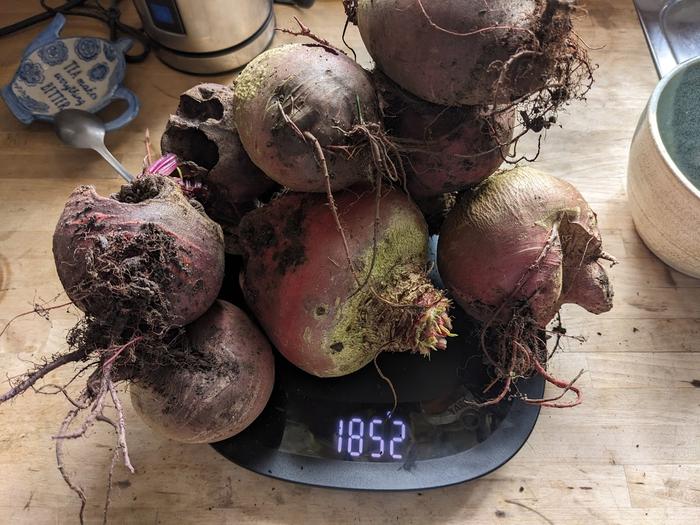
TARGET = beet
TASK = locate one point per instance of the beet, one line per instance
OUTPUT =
(321, 91)
(470, 52)
(298, 282)
(533, 244)
(140, 264)
(143, 252)
(218, 395)
(446, 149)
(203, 135)
(511, 252)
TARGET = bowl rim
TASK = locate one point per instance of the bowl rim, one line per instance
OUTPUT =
(654, 123)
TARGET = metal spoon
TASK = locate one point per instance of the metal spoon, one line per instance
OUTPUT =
(82, 129)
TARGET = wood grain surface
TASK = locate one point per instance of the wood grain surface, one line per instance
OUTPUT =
(630, 454)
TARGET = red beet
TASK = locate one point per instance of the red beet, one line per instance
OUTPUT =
(446, 149)
(140, 264)
(143, 251)
(523, 243)
(298, 282)
(321, 91)
(218, 395)
(470, 52)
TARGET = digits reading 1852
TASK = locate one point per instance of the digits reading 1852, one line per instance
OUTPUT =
(376, 438)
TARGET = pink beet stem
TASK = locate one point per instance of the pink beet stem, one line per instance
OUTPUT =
(164, 165)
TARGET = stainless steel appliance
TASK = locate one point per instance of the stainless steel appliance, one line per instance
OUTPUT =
(208, 36)
(672, 29)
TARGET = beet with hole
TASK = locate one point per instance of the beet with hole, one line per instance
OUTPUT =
(319, 314)
(202, 133)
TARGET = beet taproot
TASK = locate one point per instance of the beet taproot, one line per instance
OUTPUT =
(325, 317)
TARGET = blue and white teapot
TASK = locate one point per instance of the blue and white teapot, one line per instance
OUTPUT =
(69, 73)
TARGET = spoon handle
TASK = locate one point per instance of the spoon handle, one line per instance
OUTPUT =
(102, 150)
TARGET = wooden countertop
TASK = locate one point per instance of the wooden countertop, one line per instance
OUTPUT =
(629, 454)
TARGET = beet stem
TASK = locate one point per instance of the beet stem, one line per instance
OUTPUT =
(305, 31)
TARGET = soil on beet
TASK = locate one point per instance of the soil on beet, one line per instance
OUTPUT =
(139, 191)
(126, 275)
(289, 248)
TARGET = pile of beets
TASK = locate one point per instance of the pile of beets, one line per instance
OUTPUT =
(314, 185)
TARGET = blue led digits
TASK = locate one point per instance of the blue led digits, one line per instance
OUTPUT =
(352, 436)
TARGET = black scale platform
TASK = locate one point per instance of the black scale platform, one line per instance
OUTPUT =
(341, 432)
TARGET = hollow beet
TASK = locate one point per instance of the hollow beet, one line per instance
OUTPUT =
(446, 149)
(142, 253)
(326, 316)
(470, 52)
(523, 243)
(203, 135)
(291, 91)
(221, 386)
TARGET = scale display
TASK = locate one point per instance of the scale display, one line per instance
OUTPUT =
(360, 438)
(345, 432)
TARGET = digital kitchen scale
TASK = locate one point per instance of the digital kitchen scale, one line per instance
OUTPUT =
(342, 433)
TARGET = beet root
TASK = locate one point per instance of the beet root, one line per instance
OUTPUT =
(465, 52)
(203, 135)
(325, 317)
(533, 245)
(140, 264)
(218, 395)
(445, 149)
(511, 252)
(141, 254)
(294, 90)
